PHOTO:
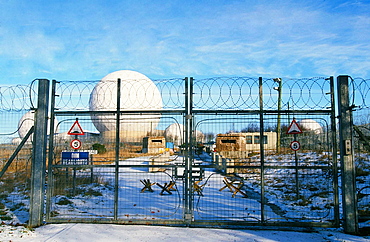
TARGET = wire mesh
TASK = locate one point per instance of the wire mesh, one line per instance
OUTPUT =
(16, 119)
(283, 186)
(274, 187)
(360, 102)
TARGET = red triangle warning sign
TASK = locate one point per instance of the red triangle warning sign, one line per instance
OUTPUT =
(294, 128)
(76, 129)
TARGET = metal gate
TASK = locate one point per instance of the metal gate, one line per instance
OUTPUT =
(269, 180)
(220, 151)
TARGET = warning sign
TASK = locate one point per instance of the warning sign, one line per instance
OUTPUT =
(294, 128)
(76, 129)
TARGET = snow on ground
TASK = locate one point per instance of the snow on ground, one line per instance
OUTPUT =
(214, 205)
(104, 232)
(112, 232)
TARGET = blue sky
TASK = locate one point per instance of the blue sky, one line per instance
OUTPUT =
(86, 40)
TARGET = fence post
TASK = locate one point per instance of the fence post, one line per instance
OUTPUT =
(50, 185)
(39, 155)
(262, 150)
(335, 150)
(118, 131)
(347, 161)
(188, 206)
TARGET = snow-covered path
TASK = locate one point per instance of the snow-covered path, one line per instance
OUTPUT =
(112, 233)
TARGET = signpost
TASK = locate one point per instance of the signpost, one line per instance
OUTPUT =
(76, 130)
(295, 145)
(76, 158)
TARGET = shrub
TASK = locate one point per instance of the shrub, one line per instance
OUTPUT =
(100, 148)
(64, 201)
(92, 192)
(7, 217)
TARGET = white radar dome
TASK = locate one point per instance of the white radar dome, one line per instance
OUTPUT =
(310, 124)
(137, 92)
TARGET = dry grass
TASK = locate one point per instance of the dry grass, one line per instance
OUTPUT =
(18, 173)
(21, 163)
(11, 180)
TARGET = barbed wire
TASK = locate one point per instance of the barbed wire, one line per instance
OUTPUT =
(135, 94)
(308, 93)
(229, 93)
(359, 90)
(242, 93)
(16, 98)
(226, 93)
(73, 95)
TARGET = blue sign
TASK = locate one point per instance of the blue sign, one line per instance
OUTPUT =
(169, 145)
(75, 158)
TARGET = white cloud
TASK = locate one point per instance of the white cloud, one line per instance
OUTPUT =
(177, 39)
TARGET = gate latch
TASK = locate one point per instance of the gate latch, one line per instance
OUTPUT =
(348, 147)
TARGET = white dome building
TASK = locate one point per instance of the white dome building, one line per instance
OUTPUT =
(138, 92)
(311, 125)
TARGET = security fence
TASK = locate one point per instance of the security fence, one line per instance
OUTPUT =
(360, 104)
(225, 151)
(16, 118)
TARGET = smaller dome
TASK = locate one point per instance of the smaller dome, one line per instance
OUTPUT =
(27, 121)
(16, 141)
(174, 133)
(311, 125)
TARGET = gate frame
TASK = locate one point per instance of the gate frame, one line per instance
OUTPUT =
(188, 115)
(261, 112)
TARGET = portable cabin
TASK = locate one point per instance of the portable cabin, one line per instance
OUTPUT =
(245, 141)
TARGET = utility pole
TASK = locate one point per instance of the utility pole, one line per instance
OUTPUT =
(279, 89)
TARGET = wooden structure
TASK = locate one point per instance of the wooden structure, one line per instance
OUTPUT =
(167, 187)
(154, 145)
(234, 184)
